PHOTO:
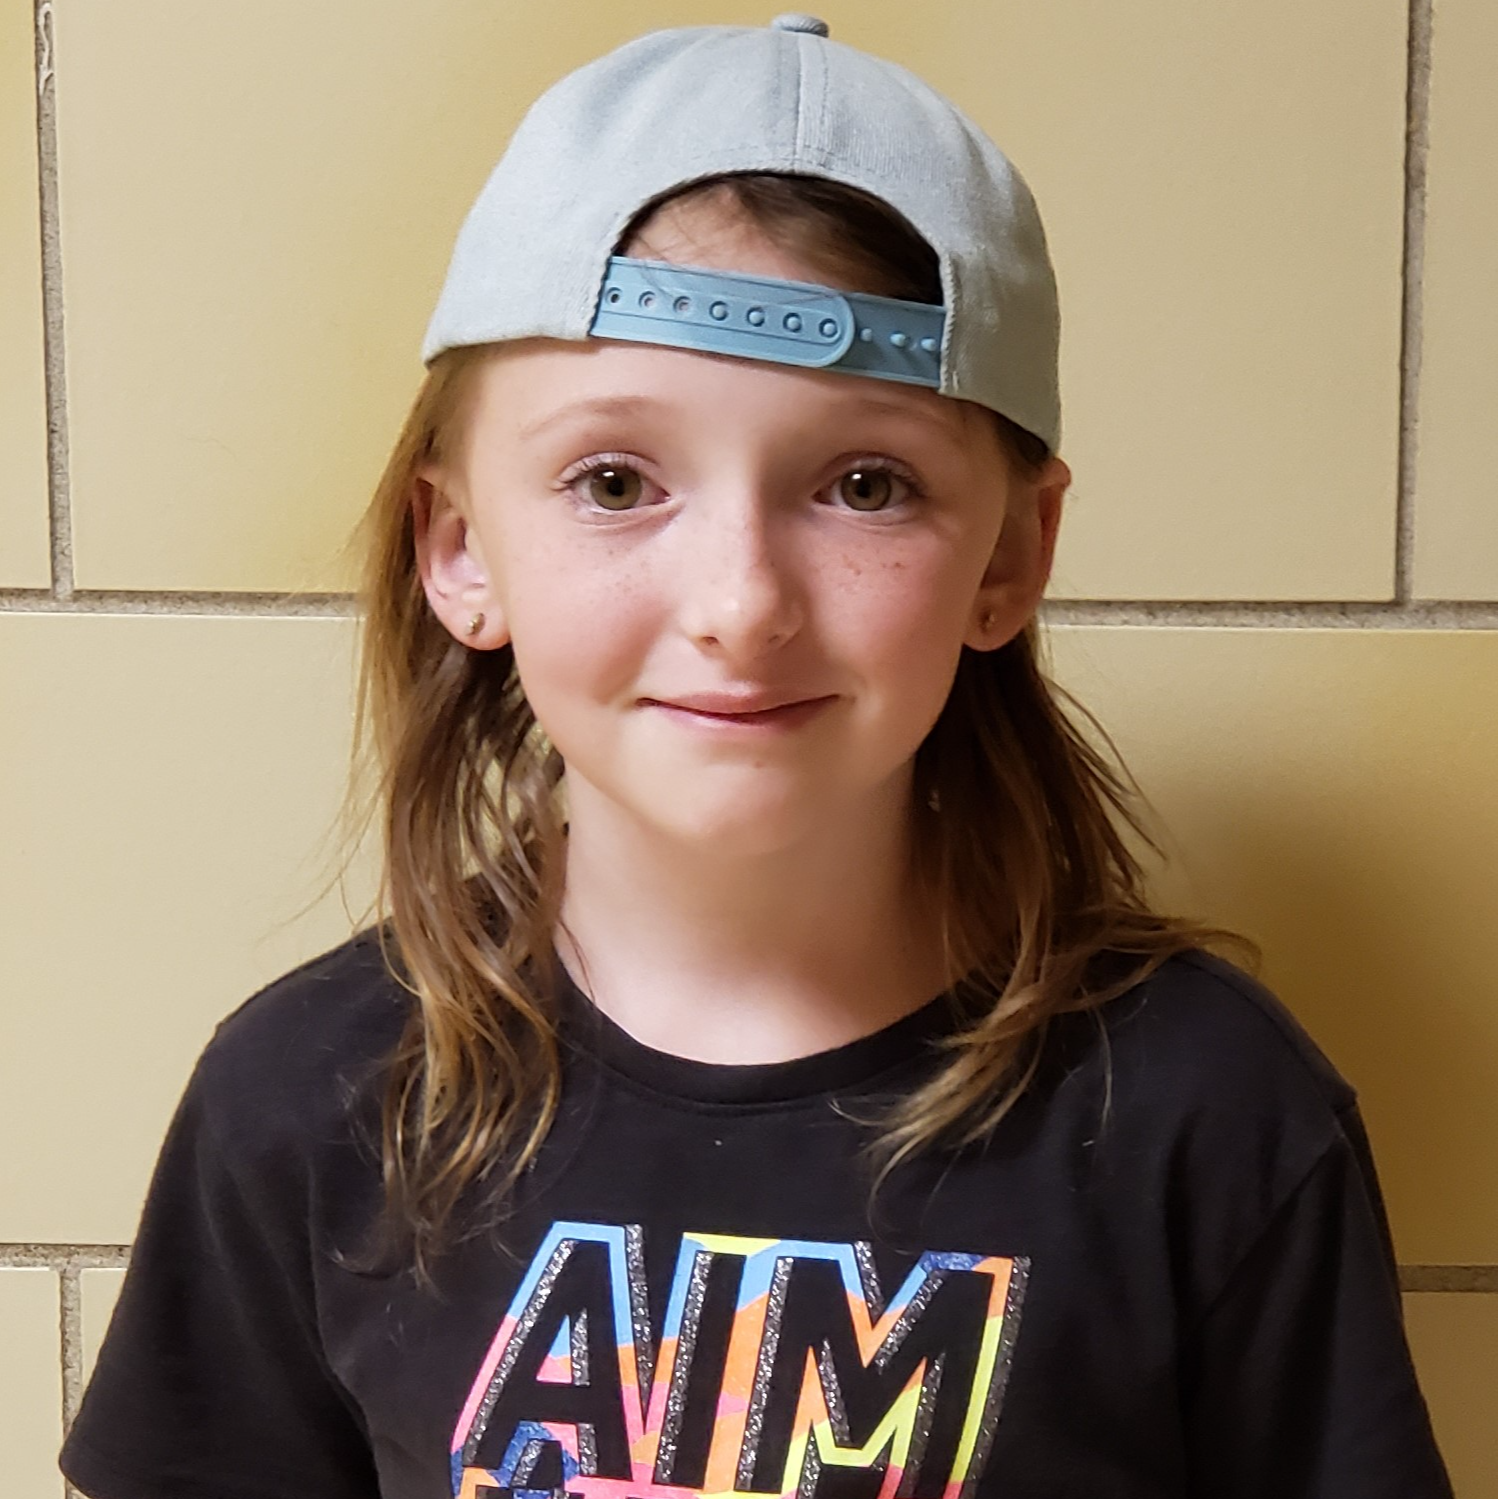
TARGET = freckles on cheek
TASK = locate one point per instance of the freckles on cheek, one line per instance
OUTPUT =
(909, 623)
(913, 607)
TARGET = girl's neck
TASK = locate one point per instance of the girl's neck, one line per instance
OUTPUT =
(754, 959)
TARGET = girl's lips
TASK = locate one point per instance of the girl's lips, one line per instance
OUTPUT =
(788, 716)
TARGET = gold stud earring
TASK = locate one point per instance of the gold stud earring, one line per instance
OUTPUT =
(475, 625)
(986, 621)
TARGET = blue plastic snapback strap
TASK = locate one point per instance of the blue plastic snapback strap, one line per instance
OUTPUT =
(754, 317)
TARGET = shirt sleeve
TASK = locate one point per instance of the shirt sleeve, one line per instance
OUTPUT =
(1298, 1377)
(211, 1382)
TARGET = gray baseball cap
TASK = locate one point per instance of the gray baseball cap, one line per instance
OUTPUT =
(534, 257)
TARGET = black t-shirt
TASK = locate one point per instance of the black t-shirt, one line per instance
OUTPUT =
(1191, 1293)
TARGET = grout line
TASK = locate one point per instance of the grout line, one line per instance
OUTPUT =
(1412, 270)
(71, 1259)
(71, 1329)
(1270, 614)
(102, 601)
(1432, 614)
(72, 1344)
(59, 490)
(64, 1257)
(1449, 1278)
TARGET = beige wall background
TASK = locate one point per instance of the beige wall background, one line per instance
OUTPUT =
(221, 231)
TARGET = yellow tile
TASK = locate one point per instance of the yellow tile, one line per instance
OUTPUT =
(1452, 1340)
(30, 1384)
(248, 285)
(1455, 486)
(1331, 793)
(1222, 188)
(99, 1290)
(1222, 184)
(24, 561)
(165, 787)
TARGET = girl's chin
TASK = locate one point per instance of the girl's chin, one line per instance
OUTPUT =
(739, 827)
(737, 816)
(726, 836)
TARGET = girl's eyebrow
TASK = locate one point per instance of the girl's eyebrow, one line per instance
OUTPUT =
(949, 425)
(597, 406)
(633, 405)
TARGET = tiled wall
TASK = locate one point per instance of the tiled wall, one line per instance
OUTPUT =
(221, 230)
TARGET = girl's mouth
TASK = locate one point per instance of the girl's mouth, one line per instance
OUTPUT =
(787, 716)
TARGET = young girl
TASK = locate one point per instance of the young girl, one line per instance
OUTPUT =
(770, 1077)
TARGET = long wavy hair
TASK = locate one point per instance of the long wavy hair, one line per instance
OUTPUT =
(1028, 831)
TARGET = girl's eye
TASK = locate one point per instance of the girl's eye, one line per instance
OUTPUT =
(613, 487)
(608, 484)
(870, 486)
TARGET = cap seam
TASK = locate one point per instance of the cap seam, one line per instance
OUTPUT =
(812, 94)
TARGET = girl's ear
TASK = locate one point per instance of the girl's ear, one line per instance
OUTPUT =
(454, 575)
(1013, 583)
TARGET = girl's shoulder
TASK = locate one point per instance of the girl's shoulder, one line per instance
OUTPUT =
(1206, 1022)
(1200, 1063)
(305, 1053)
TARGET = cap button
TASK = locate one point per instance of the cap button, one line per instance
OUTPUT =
(796, 21)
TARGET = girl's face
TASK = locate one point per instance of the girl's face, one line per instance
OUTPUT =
(736, 591)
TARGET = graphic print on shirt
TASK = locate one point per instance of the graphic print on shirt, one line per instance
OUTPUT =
(781, 1370)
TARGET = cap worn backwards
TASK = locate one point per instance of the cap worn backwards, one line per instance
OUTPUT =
(534, 257)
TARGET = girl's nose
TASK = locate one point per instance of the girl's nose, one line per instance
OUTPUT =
(739, 590)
